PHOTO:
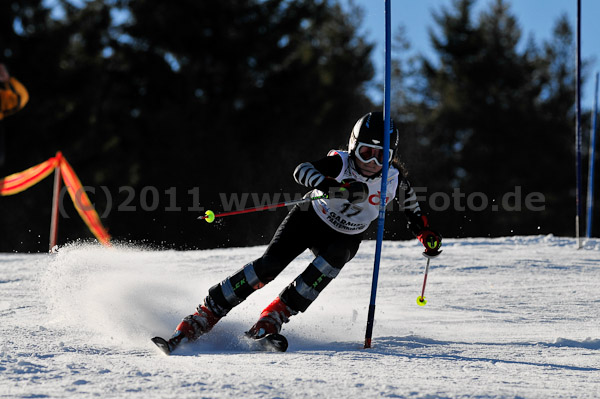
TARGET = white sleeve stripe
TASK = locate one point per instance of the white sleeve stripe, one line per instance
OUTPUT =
(308, 175)
(321, 178)
(413, 197)
(412, 206)
(302, 172)
(315, 177)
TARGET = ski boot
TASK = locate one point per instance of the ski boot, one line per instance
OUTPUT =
(191, 327)
(266, 330)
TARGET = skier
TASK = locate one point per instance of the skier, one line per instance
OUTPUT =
(332, 229)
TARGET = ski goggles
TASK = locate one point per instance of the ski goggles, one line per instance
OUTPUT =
(369, 152)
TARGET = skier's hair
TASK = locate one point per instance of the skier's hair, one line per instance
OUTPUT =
(401, 166)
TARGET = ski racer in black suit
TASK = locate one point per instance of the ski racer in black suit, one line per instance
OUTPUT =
(331, 228)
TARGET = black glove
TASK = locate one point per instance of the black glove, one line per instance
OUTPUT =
(432, 242)
(351, 190)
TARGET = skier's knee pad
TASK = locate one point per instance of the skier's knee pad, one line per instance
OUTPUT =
(307, 287)
(235, 288)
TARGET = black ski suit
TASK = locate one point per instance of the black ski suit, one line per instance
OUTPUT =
(304, 229)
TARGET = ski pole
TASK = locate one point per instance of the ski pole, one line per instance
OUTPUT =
(421, 301)
(210, 216)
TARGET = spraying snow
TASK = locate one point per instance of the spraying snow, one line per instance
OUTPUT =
(506, 317)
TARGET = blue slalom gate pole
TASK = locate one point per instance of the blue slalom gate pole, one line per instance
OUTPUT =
(384, 173)
(592, 163)
(578, 126)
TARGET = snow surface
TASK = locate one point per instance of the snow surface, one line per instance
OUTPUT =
(513, 317)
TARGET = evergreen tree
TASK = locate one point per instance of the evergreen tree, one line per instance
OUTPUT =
(495, 119)
(208, 97)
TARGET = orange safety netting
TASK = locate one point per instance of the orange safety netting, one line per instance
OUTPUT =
(82, 202)
(21, 181)
(18, 182)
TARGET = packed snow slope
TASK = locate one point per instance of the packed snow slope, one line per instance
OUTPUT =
(513, 317)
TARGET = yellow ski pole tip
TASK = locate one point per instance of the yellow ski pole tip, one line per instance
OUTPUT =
(209, 216)
(421, 301)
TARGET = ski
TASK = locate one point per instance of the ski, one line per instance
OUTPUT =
(162, 344)
(269, 343)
